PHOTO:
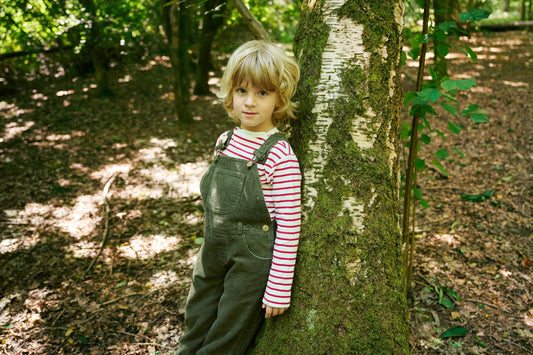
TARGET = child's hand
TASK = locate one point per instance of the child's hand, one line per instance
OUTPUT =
(273, 311)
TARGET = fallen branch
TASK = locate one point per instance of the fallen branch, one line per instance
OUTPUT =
(106, 222)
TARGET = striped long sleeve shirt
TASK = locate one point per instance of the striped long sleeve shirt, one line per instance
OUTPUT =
(281, 182)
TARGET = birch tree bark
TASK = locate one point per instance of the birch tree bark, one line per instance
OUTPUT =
(348, 295)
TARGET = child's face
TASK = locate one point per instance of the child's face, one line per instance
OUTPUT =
(253, 107)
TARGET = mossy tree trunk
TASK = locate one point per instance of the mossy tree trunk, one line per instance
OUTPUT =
(348, 295)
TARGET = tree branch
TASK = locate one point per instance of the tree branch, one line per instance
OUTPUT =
(253, 24)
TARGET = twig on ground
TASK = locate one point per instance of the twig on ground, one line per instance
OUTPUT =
(124, 297)
(492, 306)
(59, 316)
(106, 222)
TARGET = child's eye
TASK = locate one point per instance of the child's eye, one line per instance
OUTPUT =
(240, 90)
(263, 93)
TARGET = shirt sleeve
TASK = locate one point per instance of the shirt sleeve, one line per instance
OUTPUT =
(284, 172)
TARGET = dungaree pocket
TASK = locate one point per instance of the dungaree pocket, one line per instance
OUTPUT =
(222, 190)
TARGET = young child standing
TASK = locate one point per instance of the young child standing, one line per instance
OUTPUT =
(251, 196)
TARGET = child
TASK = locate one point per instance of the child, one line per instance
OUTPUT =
(251, 196)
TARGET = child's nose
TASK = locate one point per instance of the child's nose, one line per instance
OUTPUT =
(250, 101)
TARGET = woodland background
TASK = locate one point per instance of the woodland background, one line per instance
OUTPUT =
(92, 150)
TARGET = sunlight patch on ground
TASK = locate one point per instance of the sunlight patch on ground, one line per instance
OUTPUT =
(140, 192)
(164, 279)
(515, 83)
(148, 246)
(81, 219)
(78, 220)
(448, 238)
(11, 245)
(65, 92)
(107, 171)
(12, 129)
(182, 182)
(83, 249)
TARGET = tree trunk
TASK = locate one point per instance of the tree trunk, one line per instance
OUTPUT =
(212, 20)
(440, 8)
(505, 5)
(349, 287)
(175, 21)
(95, 51)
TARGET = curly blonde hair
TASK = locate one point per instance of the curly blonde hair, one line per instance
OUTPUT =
(264, 66)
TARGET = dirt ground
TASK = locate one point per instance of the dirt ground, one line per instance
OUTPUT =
(78, 170)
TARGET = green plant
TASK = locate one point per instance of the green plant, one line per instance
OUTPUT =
(440, 90)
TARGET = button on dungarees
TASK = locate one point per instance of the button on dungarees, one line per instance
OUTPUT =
(223, 311)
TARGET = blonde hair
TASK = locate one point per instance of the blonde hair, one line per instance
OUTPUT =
(264, 66)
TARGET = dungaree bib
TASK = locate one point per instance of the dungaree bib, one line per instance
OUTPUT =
(223, 311)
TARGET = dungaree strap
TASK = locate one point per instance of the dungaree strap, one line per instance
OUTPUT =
(261, 154)
(224, 144)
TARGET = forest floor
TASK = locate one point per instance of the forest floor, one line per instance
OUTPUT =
(76, 169)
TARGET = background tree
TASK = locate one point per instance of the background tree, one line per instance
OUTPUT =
(212, 19)
(177, 20)
(349, 295)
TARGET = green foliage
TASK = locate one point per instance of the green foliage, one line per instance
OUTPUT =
(124, 27)
(442, 90)
(279, 17)
(454, 332)
(477, 198)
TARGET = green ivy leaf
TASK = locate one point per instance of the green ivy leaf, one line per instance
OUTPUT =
(479, 118)
(443, 49)
(440, 167)
(425, 138)
(453, 127)
(470, 110)
(465, 84)
(445, 26)
(441, 134)
(416, 192)
(454, 332)
(455, 149)
(423, 203)
(451, 109)
(409, 97)
(481, 344)
(477, 198)
(406, 131)
(474, 15)
(426, 95)
(122, 284)
(442, 154)
(420, 164)
(446, 302)
(473, 54)
(461, 84)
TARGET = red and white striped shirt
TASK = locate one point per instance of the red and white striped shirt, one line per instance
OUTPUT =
(281, 182)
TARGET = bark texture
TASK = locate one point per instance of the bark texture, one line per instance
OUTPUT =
(348, 295)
